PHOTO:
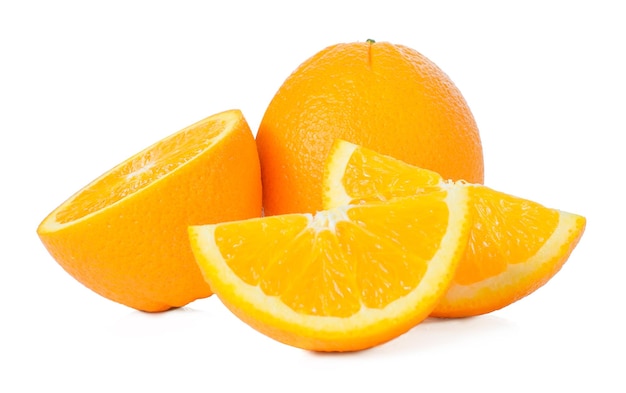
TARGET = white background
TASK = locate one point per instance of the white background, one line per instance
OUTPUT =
(83, 85)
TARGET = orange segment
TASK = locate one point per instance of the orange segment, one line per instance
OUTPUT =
(515, 245)
(125, 234)
(353, 173)
(489, 281)
(510, 230)
(343, 279)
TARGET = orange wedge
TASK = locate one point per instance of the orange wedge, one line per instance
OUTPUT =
(515, 245)
(344, 279)
(125, 234)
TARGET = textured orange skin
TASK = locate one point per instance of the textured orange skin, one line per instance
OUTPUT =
(136, 252)
(382, 96)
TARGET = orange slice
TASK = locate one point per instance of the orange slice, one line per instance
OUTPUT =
(125, 235)
(341, 280)
(515, 245)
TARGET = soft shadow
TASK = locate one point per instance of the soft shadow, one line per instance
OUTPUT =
(139, 323)
(433, 334)
(437, 333)
(339, 354)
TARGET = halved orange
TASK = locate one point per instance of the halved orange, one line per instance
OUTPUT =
(515, 245)
(344, 279)
(125, 234)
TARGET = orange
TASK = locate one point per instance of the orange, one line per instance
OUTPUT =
(515, 245)
(376, 94)
(340, 280)
(125, 235)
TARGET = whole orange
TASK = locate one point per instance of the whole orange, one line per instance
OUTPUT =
(379, 95)
(124, 235)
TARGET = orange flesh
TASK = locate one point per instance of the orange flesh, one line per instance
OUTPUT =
(515, 245)
(389, 179)
(321, 253)
(343, 279)
(141, 170)
(507, 230)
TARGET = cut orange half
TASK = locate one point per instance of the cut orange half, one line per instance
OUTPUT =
(125, 234)
(515, 245)
(344, 279)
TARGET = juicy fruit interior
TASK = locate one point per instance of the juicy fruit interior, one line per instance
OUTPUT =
(515, 245)
(142, 169)
(506, 230)
(389, 178)
(510, 230)
(316, 258)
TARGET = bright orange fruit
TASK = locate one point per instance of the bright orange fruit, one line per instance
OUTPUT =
(515, 245)
(125, 235)
(376, 94)
(344, 279)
